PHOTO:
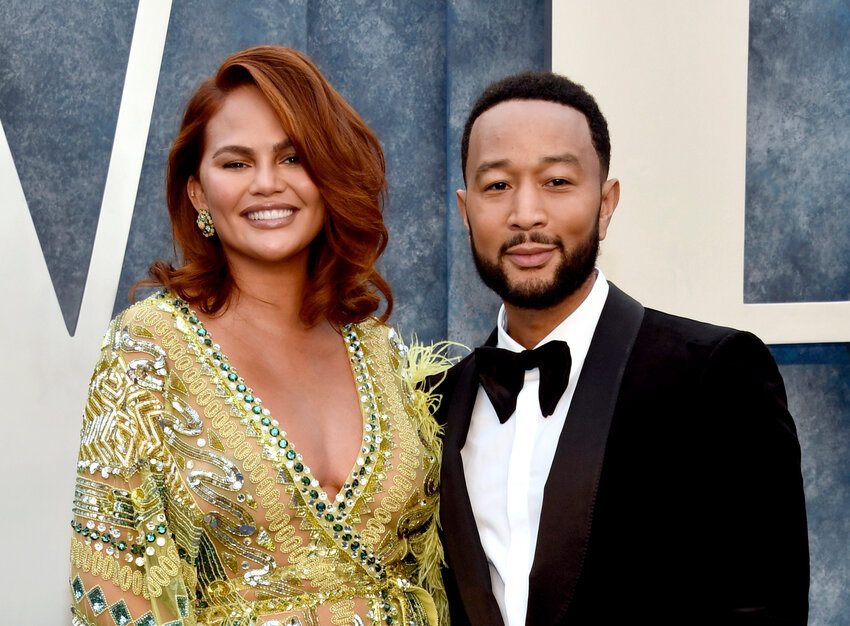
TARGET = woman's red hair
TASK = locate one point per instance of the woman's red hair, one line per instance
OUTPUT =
(342, 157)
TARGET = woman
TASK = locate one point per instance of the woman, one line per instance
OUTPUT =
(196, 501)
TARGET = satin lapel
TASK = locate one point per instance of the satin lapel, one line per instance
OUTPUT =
(463, 545)
(570, 492)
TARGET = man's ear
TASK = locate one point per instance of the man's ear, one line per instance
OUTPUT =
(196, 194)
(461, 207)
(610, 198)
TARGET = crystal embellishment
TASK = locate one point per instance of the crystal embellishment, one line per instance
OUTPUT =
(120, 613)
(78, 589)
(97, 600)
(183, 605)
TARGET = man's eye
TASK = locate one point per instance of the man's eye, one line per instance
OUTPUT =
(234, 165)
(557, 182)
(500, 186)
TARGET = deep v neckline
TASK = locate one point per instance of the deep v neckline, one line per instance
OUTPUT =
(273, 440)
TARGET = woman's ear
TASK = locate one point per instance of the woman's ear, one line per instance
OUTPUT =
(196, 194)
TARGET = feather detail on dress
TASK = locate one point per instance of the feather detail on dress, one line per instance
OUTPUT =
(423, 368)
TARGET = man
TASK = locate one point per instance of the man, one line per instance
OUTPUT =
(645, 470)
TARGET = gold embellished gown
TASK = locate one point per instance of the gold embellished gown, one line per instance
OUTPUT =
(192, 507)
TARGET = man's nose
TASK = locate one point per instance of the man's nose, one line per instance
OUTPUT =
(527, 210)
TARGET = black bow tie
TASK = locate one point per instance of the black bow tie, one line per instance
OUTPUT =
(502, 374)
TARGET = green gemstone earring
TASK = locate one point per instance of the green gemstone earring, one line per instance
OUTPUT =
(205, 223)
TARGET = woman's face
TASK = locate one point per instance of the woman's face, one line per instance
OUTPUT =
(265, 207)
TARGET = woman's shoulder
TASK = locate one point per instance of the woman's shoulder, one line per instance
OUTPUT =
(369, 325)
(151, 319)
(380, 338)
(160, 301)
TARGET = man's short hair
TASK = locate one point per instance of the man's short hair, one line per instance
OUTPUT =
(549, 87)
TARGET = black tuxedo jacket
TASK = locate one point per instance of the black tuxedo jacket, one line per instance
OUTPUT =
(675, 495)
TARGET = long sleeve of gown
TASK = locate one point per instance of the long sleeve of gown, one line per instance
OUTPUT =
(125, 567)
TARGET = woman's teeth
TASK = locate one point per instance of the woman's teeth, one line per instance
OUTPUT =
(270, 214)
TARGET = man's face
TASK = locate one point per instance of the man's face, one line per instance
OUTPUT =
(535, 206)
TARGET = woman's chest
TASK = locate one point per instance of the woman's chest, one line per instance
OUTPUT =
(243, 479)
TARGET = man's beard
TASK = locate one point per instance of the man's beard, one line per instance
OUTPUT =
(572, 271)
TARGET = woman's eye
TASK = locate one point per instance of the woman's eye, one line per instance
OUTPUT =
(293, 158)
(234, 165)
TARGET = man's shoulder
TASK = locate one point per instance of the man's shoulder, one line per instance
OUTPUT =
(684, 328)
(681, 337)
(667, 329)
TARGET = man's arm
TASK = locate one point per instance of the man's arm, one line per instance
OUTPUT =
(757, 498)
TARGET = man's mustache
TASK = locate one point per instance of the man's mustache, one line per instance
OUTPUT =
(534, 237)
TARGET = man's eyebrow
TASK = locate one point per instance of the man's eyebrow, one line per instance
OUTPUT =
(567, 157)
(486, 166)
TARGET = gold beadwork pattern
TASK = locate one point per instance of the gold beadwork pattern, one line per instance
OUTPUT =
(193, 507)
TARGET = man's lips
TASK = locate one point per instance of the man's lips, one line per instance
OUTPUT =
(530, 255)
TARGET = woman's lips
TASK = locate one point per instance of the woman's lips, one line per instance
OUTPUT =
(270, 216)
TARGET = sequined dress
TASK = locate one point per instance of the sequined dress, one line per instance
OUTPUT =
(192, 507)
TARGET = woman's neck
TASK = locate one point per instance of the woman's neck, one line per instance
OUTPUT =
(269, 299)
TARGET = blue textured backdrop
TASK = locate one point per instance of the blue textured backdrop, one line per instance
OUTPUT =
(798, 131)
(817, 378)
(412, 70)
(59, 98)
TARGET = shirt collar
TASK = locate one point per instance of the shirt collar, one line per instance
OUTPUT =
(577, 329)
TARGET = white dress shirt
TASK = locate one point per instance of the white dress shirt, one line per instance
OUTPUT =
(506, 465)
